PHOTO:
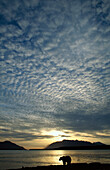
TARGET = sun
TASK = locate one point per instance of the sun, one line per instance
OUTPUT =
(56, 133)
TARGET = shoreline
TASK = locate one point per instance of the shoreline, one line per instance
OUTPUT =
(73, 166)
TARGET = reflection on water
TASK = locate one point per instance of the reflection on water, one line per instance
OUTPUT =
(17, 159)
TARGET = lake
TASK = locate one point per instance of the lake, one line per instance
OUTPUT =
(17, 159)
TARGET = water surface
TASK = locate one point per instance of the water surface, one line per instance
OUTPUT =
(17, 159)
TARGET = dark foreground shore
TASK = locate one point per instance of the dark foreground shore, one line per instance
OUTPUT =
(74, 166)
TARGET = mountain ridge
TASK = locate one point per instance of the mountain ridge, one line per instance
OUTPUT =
(7, 145)
(76, 144)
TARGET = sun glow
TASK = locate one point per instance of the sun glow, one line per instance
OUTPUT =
(56, 133)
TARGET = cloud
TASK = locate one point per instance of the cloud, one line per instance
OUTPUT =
(55, 64)
(23, 136)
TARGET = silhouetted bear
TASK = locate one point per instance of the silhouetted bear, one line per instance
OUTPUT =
(65, 159)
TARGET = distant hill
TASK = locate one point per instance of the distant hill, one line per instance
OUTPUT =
(75, 144)
(7, 145)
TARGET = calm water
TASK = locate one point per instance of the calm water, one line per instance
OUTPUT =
(17, 159)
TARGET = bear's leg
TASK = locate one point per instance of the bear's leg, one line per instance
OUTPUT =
(64, 162)
(68, 163)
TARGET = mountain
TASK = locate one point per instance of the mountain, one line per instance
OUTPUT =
(7, 145)
(75, 144)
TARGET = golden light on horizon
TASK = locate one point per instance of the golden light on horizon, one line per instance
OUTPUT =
(56, 133)
(47, 136)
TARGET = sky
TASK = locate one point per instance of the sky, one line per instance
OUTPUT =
(54, 71)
